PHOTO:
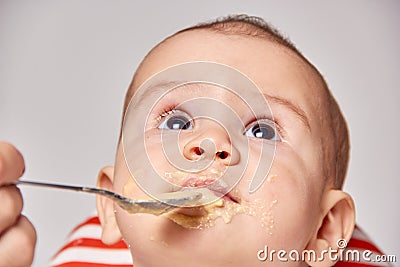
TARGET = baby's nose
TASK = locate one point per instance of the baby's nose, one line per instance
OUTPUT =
(214, 143)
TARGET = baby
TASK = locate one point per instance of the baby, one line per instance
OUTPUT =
(233, 108)
(300, 204)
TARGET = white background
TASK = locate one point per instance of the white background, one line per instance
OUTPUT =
(65, 65)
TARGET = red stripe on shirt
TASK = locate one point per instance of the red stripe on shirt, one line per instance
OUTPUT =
(364, 245)
(92, 220)
(89, 242)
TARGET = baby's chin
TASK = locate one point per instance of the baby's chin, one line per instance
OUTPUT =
(218, 242)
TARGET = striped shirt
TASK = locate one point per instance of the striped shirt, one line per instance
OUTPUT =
(84, 248)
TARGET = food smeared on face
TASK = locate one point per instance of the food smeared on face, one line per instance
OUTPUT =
(216, 202)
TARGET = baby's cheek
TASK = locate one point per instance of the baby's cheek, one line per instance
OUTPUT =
(285, 208)
(130, 187)
(137, 230)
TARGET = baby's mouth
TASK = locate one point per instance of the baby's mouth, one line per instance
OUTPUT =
(210, 179)
(212, 190)
(217, 202)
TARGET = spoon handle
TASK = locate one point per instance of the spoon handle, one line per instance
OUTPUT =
(168, 202)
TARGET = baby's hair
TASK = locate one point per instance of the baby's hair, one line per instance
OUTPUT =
(335, 143)
(242, 25)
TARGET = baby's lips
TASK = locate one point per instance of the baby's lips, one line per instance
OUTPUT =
(196, 182)
(214, 185)
(217, 186)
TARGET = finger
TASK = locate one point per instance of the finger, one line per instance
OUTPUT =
(11, 163)
(11, 206)
(17, 244)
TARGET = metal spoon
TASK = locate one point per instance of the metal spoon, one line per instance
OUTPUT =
(166, 202)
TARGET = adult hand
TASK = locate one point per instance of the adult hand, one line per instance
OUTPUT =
(17, 234)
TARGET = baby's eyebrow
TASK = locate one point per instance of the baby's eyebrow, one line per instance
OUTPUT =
(296, 110)
(156, 89)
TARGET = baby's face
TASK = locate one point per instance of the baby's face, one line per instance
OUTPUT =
(284, 213)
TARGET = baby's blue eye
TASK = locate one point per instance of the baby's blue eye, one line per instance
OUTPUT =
(176, 120)
(263, 129)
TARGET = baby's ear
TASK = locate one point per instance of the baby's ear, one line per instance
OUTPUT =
(105, 208)
(335, 229)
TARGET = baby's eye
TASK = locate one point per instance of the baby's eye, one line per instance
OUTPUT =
(264, 129)
(176, 120)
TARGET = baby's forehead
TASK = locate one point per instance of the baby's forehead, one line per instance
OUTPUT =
(237, 51)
